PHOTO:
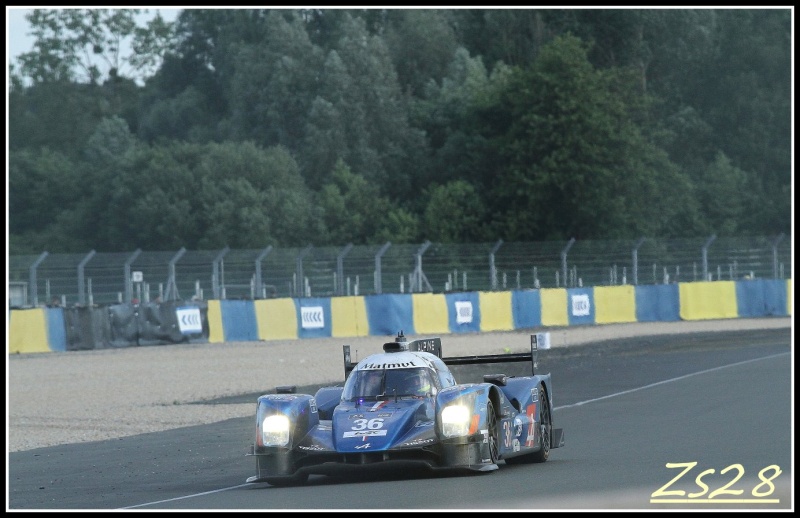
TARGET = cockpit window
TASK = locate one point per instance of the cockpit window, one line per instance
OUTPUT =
(380, 384)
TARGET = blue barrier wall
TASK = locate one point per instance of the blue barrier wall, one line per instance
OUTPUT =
(56, 329)
(463, 312)
(526, 308)
(239, 320)
(761, 298)
(658, 303)
(47, 329)
(388, 313)
(313, 317)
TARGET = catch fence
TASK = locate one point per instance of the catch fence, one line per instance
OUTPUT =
(94, 278)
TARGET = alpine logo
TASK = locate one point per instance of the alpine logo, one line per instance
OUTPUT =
(312, 317)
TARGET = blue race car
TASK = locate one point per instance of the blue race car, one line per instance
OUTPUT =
(403, 406)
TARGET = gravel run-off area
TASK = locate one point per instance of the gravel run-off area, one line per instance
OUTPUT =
(78, 396)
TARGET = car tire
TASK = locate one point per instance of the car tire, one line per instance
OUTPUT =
(545, 428)
(492, 430)
(545, 434)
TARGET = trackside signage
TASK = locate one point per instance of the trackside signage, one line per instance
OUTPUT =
(580, 305)
(463, 312)
(189, 320)
(312, 317)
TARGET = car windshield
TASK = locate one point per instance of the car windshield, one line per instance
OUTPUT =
(380, 384)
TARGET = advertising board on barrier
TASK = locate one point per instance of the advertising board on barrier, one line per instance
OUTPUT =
(189, 320)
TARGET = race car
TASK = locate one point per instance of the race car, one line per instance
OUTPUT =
(404, 406)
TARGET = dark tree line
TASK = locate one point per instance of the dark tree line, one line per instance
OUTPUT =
(251, 127)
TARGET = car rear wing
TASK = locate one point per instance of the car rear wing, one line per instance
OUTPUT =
(434, 346)
(537, 340)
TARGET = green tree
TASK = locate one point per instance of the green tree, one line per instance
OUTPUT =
(355, 212)
(330, 119)
(400, 226)
(434, 43)
(57, 115)
(511, 36)
(723, 194)
(154, 202)
(576, 164)
(352, 207)
(86, 45)
(454, 213)
(274, 83)
(42, 184)
(279, 209)
(455, 116)
(106, 157)
(187, 117)
(384, 147)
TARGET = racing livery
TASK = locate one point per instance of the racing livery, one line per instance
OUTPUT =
(404, 406)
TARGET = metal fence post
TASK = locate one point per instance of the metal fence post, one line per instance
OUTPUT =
(217, 275)
(127, 272)
(32, 277)
(260, 258)
(492, 268)
(81, 287)
(564, 259)
(705, 255)
(378, 279)
(340, 268)
(172, 287)
(775, 255)
(300, 278)
(635, 260)
(419, 275)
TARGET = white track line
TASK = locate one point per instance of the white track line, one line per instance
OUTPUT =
(667, 381)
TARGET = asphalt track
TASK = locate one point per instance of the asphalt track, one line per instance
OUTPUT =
(692, 422)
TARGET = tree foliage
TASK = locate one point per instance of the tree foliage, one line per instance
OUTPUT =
(250, 127)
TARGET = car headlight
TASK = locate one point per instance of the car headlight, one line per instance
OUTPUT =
(456, 420)
(275, 430)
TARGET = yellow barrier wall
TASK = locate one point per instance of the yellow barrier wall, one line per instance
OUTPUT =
(496, 311)
(276, 319)
(216, 332)
(614, 304)
(554, 307)
(27, 331)
(707, 300)
(789, 297)
(430, 313)
(349, 317)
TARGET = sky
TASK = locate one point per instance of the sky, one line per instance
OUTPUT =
(18, 41)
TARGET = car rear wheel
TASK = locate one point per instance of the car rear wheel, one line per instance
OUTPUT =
(491, 427)
(545, 427)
